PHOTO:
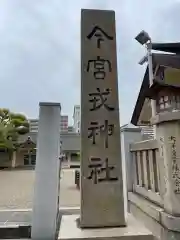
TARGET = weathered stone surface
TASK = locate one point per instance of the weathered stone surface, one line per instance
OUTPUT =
(102, 200)
(134, 231)
(168, 135)
(162, 225)
(149, 208)
(150, 223)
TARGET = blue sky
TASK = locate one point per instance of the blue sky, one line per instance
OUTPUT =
(40, 49)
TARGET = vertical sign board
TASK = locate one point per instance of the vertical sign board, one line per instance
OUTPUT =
(102, 200)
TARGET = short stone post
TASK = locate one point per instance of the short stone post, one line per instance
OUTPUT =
(14, 159)
(46, 185)
(69, 158)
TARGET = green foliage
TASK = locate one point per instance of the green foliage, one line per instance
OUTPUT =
(11, 126)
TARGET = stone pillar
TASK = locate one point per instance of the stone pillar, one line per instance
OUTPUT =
(102, 194)
(69, 158)
(128, 136)
(14, 159)
(168, 135)
(46, 185)
(102, 214)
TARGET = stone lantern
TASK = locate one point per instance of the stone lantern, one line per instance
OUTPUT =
(165, 90)
(167, 121)
(167, 96)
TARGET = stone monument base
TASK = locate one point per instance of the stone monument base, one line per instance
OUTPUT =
(134, 230)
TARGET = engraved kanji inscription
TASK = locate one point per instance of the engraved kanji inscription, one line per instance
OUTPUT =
(175, 167)
(99, 34)
(99, 100)
(101, 171)
(104, 130)
(99, 67)
(162, 155)
(93, 131)
(161, 147)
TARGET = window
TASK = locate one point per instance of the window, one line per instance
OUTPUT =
(164, 102)
(33, 159)
(26, 160)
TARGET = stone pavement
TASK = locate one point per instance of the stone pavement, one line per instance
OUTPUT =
(24, 216)
(16, 195)
(16, 189)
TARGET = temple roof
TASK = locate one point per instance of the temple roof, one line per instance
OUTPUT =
(166, 69)
(167, 47)
(158, 86)
(28, 144)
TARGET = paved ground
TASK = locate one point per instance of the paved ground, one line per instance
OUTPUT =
(16, 189)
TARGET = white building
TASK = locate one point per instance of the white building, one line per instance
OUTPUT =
(63, 124)
(77, 118)
(146, 131)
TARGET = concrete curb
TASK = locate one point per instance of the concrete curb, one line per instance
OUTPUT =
(24, 216)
